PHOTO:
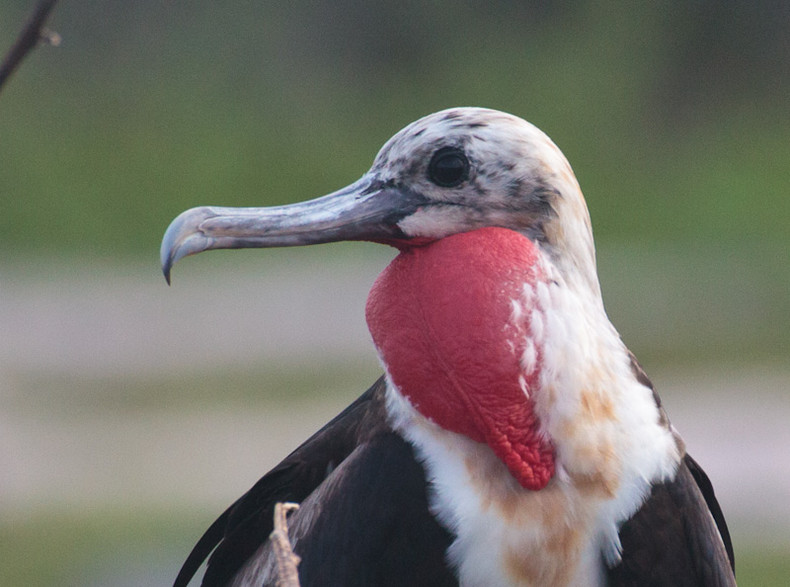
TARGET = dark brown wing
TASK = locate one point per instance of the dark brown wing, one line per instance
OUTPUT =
(678, 538)
(369, 501)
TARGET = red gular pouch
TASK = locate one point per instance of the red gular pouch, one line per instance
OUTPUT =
(444, 318)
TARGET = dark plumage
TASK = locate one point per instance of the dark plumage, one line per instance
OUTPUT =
(663, 544)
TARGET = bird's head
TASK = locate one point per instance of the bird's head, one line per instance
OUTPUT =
(450, 172)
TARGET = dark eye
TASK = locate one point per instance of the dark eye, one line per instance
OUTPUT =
(449, 167)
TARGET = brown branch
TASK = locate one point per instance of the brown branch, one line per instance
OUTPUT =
(287, 561)
(33, 33)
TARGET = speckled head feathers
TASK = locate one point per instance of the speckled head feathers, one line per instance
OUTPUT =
(518, 178)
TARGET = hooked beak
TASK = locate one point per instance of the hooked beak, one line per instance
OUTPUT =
(365, 210)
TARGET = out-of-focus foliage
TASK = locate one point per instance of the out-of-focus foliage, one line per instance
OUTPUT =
(674, 115)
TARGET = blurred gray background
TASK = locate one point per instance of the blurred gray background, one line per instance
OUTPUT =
(132, 413)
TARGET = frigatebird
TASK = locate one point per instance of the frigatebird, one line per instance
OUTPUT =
(513, 438)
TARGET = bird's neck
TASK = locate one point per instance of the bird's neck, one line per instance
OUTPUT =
(484, 336)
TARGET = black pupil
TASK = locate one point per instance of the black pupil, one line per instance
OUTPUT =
(449, 167)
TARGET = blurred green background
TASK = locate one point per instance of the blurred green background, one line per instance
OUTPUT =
(675, 117)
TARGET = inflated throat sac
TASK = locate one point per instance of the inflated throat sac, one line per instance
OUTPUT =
(450, 322)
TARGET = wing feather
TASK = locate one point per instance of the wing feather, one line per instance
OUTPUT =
(245, 525)
(678, 538)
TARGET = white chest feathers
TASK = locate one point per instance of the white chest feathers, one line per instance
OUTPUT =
(611, 444)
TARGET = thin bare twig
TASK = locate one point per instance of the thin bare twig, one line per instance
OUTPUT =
(287, 561)
(33, 33)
